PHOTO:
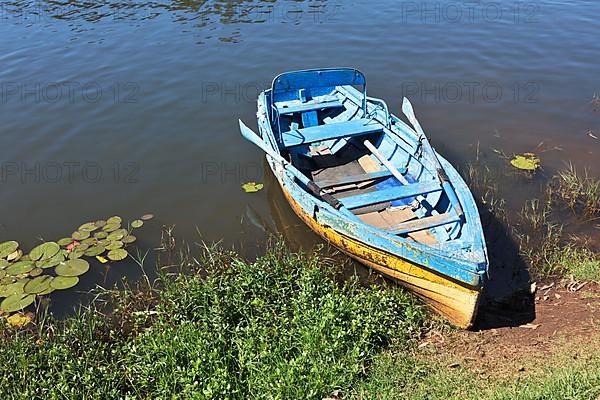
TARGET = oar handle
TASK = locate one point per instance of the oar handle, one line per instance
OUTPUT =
(407, 109)
(312, 187)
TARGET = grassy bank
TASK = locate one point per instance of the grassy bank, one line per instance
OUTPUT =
(281, 327)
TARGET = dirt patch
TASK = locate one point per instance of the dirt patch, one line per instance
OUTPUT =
(566, 324)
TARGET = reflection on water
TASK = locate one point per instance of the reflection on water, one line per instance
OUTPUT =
(197, 14)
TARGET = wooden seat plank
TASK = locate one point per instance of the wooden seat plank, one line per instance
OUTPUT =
(424, 223)
(390, 194)
(354, 179)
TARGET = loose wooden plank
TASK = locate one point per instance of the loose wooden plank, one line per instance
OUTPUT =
(369, 164)
(390, 194)
(425, 223)
(354, 179)
(330, 131)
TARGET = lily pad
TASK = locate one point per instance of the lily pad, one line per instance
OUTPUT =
(2, 273)
(137, 223)
(19, 320)
(50, 288)
(4, 264)
(20, 267)
(116, 244)
(8, 247)
(80, 235)
(44, 251)
(14, 256)
(89, 241)
(147, 217)
(117, 235)
(65, 241)
(114, 220)
(7, 280)
(38, 285)
(64, 282)
(101, 235)
(129, 239)
(72, 268)
(111, 227)
(81, 247)
(76, 253)
(16, 302)
(52, 262)
(526, 162)
(100, 223)
(117, 254)
(88, 226)
(36, 272)
(252, 187)
(94, 250)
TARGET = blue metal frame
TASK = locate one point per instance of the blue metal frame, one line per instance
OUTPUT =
(314, 82)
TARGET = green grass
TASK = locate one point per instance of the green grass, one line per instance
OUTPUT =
(580, 192)
(399, 375)
(281, 327)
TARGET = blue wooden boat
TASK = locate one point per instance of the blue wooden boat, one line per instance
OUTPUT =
(373, 186)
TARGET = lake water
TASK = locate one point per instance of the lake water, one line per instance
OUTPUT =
(132, 107)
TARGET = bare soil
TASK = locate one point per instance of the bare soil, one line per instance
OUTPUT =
(566, 323)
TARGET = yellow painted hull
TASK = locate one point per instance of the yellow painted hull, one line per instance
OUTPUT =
(454, 300)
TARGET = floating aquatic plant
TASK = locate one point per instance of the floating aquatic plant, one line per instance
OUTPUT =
(117, 244)
(7, 248)
(15, 255)
(80, 235)
(526, 162)
(64, 282)
(20, 267)
(56, 265)
(44, 251)
(74, 267)
(16, 302)
(252, 187)
(19, 320)
(117, 254)
(110, 227)
(38, 285)
(114, 220)
(129, 239)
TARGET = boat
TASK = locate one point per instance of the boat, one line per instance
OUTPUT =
(373, 186)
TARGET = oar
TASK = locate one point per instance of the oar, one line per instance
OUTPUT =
(252, 137)
(407, 109)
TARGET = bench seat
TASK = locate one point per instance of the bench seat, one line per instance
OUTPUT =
(330, 131)
(424, 223)
(390, 194)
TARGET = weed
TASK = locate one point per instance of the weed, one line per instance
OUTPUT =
(579, 192)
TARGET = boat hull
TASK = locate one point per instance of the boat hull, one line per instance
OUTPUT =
(453, 299)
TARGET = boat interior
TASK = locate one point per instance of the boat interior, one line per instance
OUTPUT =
(355, 150)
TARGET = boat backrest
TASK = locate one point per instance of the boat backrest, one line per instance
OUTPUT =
(314, 82)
